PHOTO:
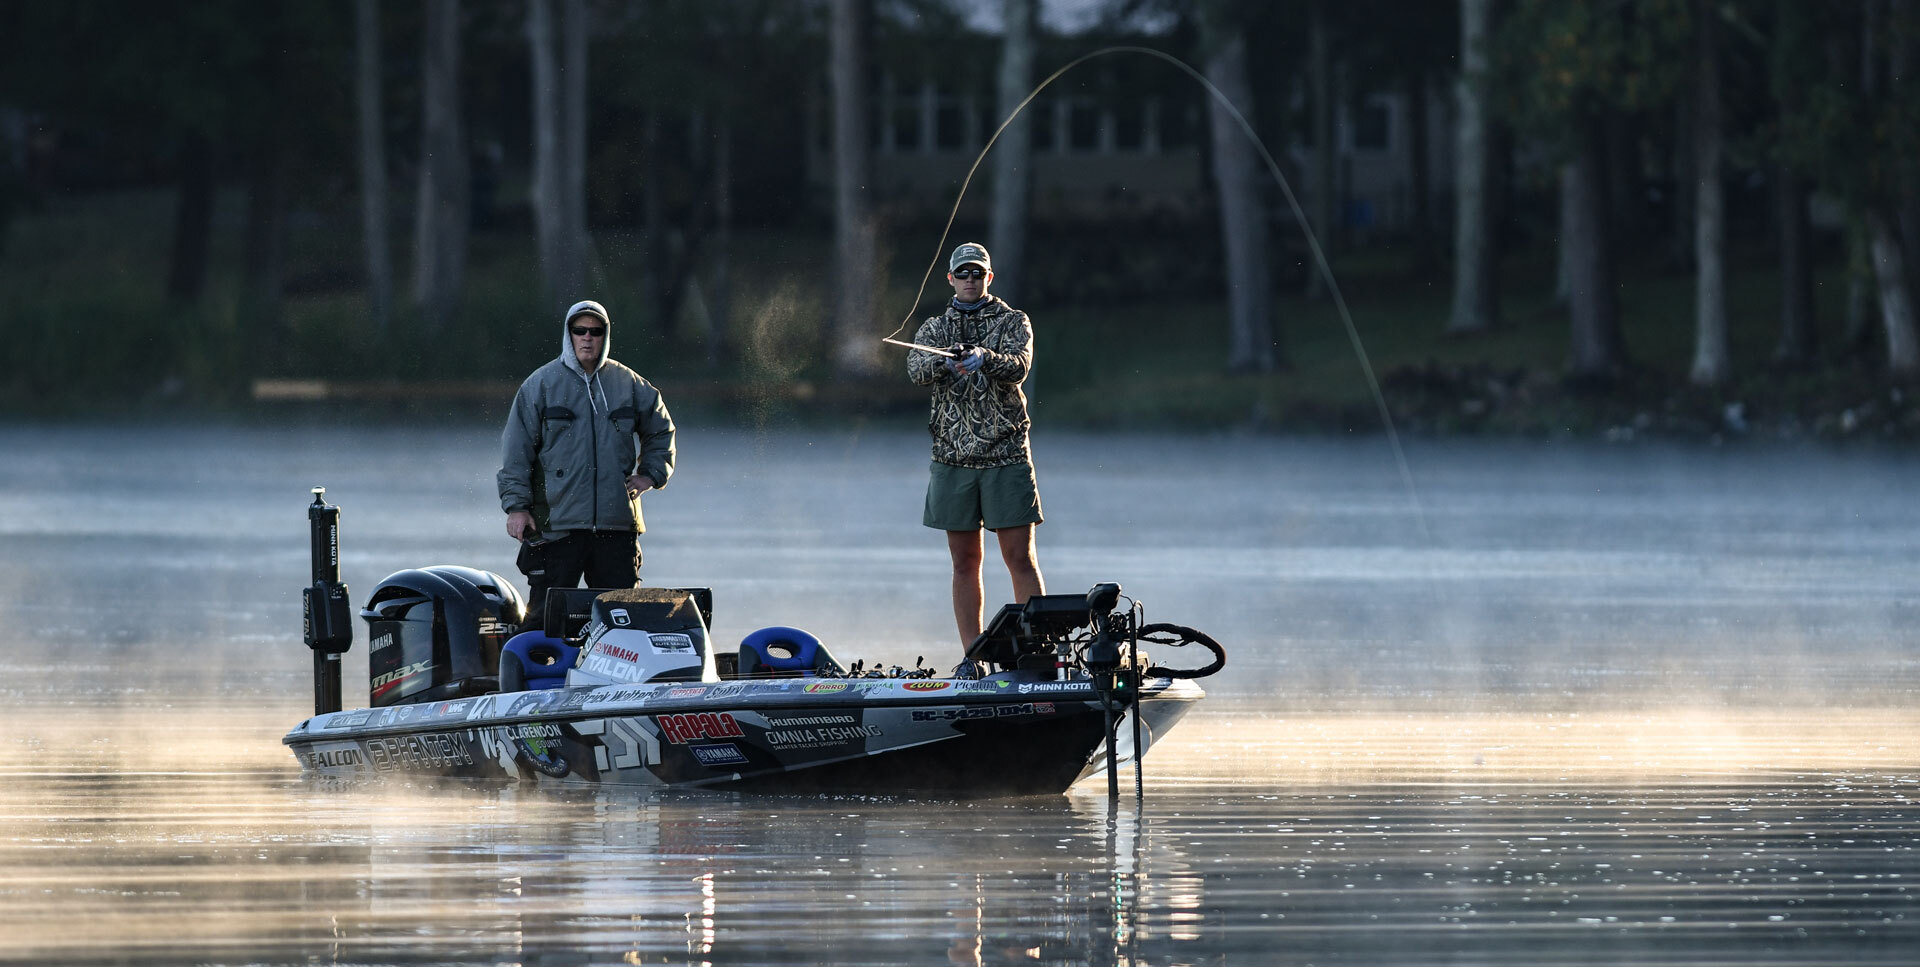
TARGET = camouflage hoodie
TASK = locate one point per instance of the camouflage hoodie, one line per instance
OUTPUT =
(979, 419)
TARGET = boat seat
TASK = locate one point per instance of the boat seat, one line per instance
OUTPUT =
(530, 661)
(784, 652)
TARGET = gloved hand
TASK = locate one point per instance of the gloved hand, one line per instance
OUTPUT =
(972, 361)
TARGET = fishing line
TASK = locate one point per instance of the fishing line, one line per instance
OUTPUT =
(1286, 189)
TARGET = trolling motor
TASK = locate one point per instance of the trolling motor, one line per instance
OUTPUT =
(1114, 677)
(328, 619)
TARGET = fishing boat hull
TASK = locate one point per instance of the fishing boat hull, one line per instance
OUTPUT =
(1006, 734)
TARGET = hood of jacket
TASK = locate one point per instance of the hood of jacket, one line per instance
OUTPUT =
(587, 307)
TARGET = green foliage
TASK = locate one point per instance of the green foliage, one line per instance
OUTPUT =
(1554, 62)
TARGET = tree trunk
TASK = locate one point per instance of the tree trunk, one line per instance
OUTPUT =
(441, 208)
(1797, 340)
(373, 163)
(558, 56)
(1473, 252)
(1320, 66)
(1419, 184)
(1597, 353)
(1860, 282)
(1685, 186)
(263, 260)
(192, 221)
(721, 302)
(543, 192)
(1710, 365)
(1013, 153)
(1243, 226)
(854, 335)
(1896, 300)
(574, 239)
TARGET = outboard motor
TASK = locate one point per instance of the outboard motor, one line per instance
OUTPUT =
(644, 635)
(437, 632)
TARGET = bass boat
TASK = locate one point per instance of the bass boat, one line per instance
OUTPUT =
(626, 687)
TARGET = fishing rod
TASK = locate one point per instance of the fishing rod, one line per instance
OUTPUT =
(1286, 189)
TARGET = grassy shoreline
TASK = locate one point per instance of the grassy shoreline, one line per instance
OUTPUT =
(91, 335)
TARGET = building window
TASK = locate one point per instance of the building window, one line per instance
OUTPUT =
(1130, 125)
(1372, 127)
(1039, 114)
(950, 125)
(1083, 127)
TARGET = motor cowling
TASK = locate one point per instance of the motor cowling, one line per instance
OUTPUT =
(436, 633)
(644, 635)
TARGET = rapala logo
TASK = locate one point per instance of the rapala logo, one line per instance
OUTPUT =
(925, 686)
(817, 687)
(385, 683)
(681, 729)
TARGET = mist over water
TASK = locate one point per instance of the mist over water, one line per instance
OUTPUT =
(1578, 704)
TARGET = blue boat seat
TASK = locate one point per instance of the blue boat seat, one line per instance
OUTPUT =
(784, 652)
(530, 660)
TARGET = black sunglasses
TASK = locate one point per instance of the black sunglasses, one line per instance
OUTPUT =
(594, 331)
(973, 273)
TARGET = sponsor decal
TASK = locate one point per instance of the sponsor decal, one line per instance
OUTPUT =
(671, 644)
(334, 757)
(452, 709)
(926, 686)
(384, 641)
(798, 721)
(981, 712)
(347, 720)
(600, 663)
(624, 744)
(728, 690)
(681, 729)
(982, 688)
(1026, 687)
(620, 617)
(723, 754)
(818, 687)
(405, 713)
(383, 684)
(624, 654)
(825, 735)
(686, 692)
(433, 750)
(626, 695)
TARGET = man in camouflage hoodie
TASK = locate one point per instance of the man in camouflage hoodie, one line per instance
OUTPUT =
(982, 473)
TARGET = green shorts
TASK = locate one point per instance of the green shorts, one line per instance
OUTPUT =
(964, 499)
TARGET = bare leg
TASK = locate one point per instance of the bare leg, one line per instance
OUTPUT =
(964, 546)
(1023, 565)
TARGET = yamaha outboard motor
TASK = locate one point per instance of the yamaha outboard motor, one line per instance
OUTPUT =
(436, 633)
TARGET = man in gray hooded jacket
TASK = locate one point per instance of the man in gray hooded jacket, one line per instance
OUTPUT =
(587, 436)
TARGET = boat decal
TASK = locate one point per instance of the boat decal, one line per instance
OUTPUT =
(680, 729)
(348, 720)
(822, 736)
(982, 688)
(452, 709)
(799, 721)
(382, 684)
(1026, 687)
(672, 644)
(728, 690)
(620, 696)
(826, 687)
(624, 744)
(926, 686)
(334, 755)
(720, 754)
(431, 750)
(696, 692)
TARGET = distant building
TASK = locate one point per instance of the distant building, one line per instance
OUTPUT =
(1125, 153)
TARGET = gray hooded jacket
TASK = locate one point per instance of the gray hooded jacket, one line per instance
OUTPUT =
(574, 436)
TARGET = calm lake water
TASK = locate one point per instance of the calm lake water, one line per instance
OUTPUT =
(1565, 704)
